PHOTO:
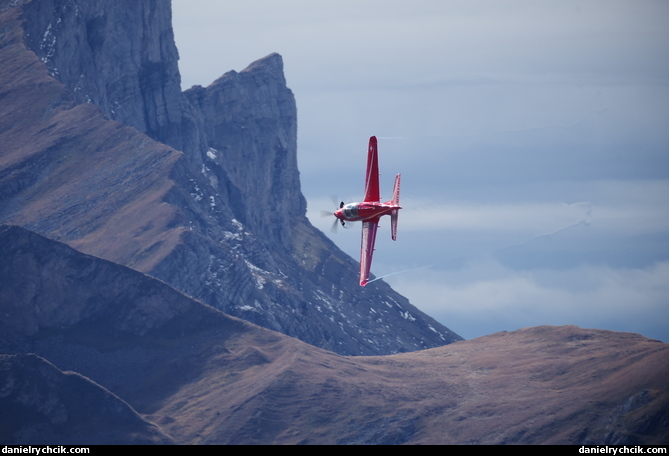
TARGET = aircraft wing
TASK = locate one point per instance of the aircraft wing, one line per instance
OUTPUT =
(372, 193)
(367, 249)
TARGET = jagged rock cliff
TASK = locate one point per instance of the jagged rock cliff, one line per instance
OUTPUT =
(100, 149)
(250, 122)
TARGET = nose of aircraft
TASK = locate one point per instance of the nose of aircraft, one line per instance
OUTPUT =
(338, 214)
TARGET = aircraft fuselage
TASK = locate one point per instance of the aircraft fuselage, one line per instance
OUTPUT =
(355, 212)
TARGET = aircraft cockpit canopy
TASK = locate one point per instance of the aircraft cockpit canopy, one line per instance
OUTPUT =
(350, 210)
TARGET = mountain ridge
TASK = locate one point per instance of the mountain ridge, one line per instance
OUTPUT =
(49, 406)
(194, 375)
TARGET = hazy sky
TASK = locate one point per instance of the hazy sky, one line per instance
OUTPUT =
(532, 138)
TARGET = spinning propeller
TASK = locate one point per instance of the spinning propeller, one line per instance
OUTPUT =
(329, 214)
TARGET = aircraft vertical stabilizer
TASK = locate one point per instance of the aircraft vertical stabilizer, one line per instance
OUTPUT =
(395, 202)
(372, 193)
(396, 191)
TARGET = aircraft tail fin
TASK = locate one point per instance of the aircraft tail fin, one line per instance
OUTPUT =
(396, 202)
(396, 191)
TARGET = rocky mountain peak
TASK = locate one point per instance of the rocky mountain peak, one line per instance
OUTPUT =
(249, 121)
(271, 64)
(269, 67)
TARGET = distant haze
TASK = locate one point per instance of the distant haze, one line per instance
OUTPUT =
(533, 140)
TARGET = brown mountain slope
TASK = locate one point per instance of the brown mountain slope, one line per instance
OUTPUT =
(544, 385)
(206, 378)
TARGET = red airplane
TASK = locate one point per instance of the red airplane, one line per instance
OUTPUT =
(371, 210)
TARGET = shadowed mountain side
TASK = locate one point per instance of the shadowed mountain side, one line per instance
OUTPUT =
(115, 325)
(222, 220)
(205, 377)
(42, 405)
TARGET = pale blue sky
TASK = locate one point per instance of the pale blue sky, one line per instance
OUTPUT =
(533, 140)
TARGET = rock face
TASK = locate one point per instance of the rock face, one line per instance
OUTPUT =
(117, 55)
(250, 123)
(131, 360)
(101, 150)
